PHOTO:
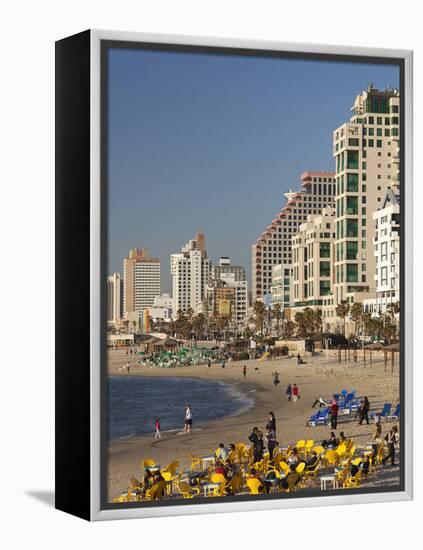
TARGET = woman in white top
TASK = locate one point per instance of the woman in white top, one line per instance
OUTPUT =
(188, 419)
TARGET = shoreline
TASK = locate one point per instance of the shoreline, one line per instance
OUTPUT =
(321, 376)
(245, 390)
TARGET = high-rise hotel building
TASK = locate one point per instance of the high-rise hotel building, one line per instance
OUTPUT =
(141, 281)
(367, 163)
(191, 272)
(273, 246)
(114, 297)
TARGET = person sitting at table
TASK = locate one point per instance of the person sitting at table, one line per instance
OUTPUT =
(220, 468)
(147, 481)
(294, 458)
(311, 463)
(291, 479)
(254, 475)
(222, 452)
(366, 464)
(330, 443)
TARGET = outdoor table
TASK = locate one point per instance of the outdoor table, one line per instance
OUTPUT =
(153, 469)
(195, 477)
(209, 487)
(326, 479)
(206, 459)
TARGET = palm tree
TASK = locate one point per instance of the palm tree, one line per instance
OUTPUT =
(302, 322)
(289, 329)
(356, 312)
(277, 312)
(342, 311)
(259, 314)
(198, 324)
(393, 310)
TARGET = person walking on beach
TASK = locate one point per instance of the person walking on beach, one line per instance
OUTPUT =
(364, 411)
(391, 439)
(244, 371)
(334, 408)
(127, 366)
(276, 380)
(188, 419)
(157, 427)
(289, 392)
(223, 363)
(209, 363)
(295, 393)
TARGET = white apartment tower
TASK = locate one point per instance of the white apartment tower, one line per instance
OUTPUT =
(114, 297)
(191, 271)
(387, 255)
(141, 278)
(273, 246)
(367, 166)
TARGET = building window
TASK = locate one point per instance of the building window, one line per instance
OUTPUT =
(325, 288)
(352, 273)
(352, 183)
(352, 250)
(325, 250)
(324, 269)
(352, 160)
(352, 228)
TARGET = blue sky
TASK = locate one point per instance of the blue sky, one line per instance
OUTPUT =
(201, 142)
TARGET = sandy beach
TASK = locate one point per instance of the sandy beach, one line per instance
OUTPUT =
(322, 376)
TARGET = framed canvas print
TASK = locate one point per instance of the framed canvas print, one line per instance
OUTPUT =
(233, 282)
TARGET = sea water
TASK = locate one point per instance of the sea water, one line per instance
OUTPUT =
(134, 403)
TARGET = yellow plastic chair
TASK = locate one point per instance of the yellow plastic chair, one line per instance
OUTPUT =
(222, 481)
(186, 491)
(308, 446)
(300, 445)
(331, 458)
(148, 463)
(300, 468)
(172, 467)
(235, 484)
(195, 462)
(353, 481)
(254, 485)
(283, 467)
(319, 450)
(156, 492)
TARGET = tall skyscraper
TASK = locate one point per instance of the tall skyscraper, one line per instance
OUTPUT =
(114, 297)
(141, 278)
(273, 246)
(191, 271)
(367, 162)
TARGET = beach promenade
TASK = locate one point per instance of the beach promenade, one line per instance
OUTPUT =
(321, 376)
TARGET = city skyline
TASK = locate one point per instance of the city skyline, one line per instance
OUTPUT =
(220, 150)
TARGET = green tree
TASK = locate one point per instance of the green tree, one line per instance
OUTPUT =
(259, 314)
(342, 311)
(277, 313)
(356, 312)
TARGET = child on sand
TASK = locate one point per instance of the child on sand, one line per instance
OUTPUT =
(289, 392)
(295, 393)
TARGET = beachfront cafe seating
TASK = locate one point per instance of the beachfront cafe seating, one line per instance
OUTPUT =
(331, 464)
